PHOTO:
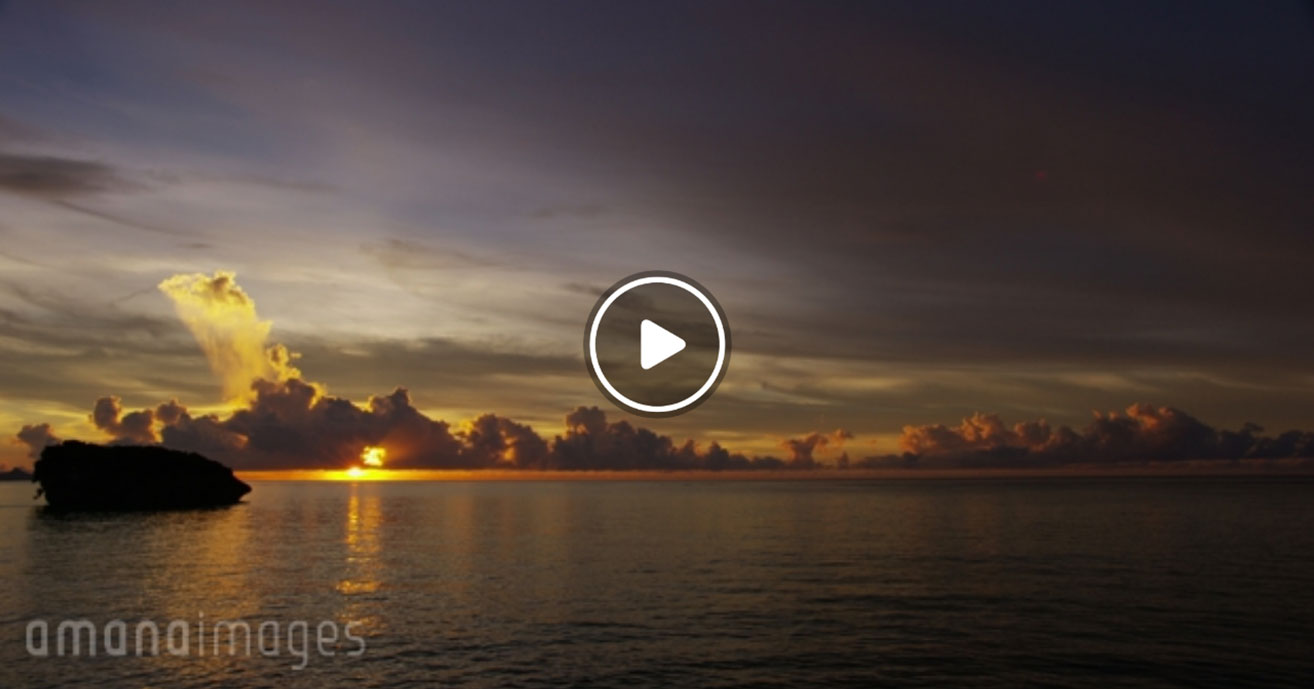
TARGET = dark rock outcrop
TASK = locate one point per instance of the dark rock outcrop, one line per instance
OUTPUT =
(81, 476)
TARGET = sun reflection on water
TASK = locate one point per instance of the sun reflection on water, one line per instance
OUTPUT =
(362, 560)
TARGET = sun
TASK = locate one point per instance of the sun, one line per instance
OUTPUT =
(370, 467)
(373, 456)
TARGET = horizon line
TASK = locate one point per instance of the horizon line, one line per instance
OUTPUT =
(1204, 469)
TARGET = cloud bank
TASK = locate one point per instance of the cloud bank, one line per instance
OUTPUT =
(1142, 433)
(278, 420)
(292, 425)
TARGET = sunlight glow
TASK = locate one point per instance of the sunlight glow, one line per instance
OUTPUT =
(349, 474)
(373, 456)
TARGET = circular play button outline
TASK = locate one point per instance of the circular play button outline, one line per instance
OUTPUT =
(657, 277)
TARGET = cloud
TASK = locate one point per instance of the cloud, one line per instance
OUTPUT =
(58, 180)
(52, 177)
(1172, 227)
(801, 449)
(293, 425)
(135, 428)
(492, 440)
(590, 442)
(36, 437)
(223, 320)
(278, 420)
(1142, 433)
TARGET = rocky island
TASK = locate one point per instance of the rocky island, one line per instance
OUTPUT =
(83, 476)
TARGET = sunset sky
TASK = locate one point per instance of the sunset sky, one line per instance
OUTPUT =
(909, 212)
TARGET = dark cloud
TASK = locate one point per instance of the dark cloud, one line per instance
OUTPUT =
(801, 449)
(1143, 433)
(492, 441)
(590, 442)
(61, 180)
(133, 428)
(36, 437)
(52, 177)
(293, 425)
(896, 182)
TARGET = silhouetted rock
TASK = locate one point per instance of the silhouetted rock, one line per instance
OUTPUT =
(81, 476)
(15, 474)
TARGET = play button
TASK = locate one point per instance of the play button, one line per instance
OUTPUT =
(657, 344)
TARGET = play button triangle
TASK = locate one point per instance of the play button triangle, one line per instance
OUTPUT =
(657, 344)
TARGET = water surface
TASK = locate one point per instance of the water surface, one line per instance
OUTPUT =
(1060, 582)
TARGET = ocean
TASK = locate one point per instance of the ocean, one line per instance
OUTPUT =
(1065, 582)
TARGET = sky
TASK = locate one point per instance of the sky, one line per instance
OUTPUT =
(911, 213)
